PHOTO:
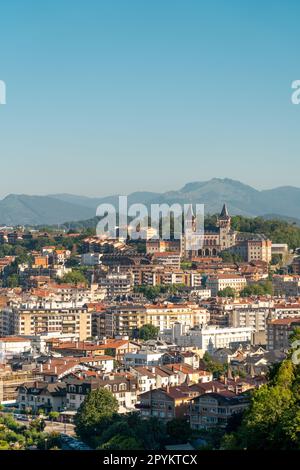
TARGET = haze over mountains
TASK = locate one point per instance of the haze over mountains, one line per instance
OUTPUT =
(240, 198)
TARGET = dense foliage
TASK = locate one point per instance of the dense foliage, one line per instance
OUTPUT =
(147, 332)
(99, 424)
(262, 288)
(216, 368)
(273, 418)
(153, 292)
(276, 230)
(15, 436)
(96, 410)
(227, 292)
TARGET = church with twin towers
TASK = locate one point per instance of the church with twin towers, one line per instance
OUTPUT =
(222, 238)
(249, 247)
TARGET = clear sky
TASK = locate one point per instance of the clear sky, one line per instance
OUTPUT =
(113, 96)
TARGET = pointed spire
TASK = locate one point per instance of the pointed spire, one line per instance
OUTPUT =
(189, 212)
(224, 213)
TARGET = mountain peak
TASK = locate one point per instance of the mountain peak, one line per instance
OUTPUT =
(241, 199)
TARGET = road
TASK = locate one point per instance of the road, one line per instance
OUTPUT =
(51, 426)
(62, 428)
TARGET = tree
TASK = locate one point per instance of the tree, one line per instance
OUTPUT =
(263, 288)
(273, 418)
(96, 410)
(227, 292)
(179, 429)
(75, 277)
(53, 415)
(276, 259)
(295, 335)
(13, 281)
(148, 331)
(216, 368)
(150, 292)
(228, 257)
(120, 442)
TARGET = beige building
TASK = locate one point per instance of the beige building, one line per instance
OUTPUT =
(123, 319)
(255, 318)
(259, 250)
(220, 282)
(10, 380)
(40, 319)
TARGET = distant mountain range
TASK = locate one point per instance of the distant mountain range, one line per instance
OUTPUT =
(282, 202)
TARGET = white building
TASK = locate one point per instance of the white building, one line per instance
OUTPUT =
(201, 293)
(142, 358)
(209, 338)
(14, 345)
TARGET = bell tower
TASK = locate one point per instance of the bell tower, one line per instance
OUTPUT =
(224, 224)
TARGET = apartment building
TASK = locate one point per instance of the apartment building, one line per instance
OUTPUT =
(286, 285)
(150, 378)
(279, 331)
(285, 310)
(260, 249)
(162, 246)
(116, 283)
(40, 318)
(222, 281)
(98, 245)
(123, 388)
(123, 319)
(143, 357)
(255, 318)
(168, 258)
(165, 275)
(166, 403)
(118, 320)
(42, 395)
(212, 410)
(164, 316)
(209, 337)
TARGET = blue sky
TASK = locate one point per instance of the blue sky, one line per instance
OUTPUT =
(121, 95)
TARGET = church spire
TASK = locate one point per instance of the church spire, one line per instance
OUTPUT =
(224, 213)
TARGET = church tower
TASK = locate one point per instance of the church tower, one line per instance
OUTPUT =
(224, 224)
(189, 237)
